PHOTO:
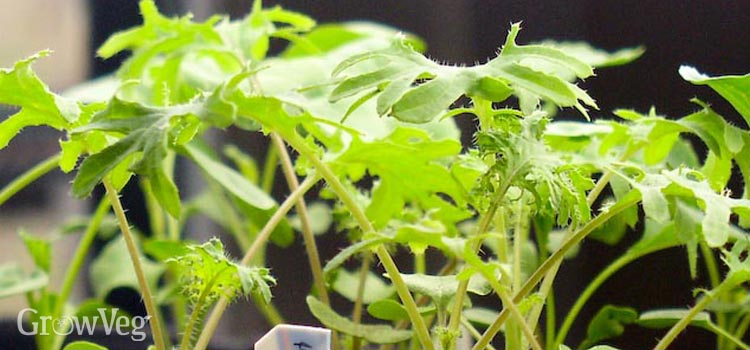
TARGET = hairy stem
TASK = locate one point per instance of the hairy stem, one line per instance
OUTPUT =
(311, 247)
(359, 301)
(198, 310)
(545, 290)
(385, 258)
(484, 226)
(261, 239)
(514, 331)
(713, 276)
(148, 299)
(28, 177)
(601, 184)
(509, 304)
(588, 292)
(548, 264)
(519, 238)
(79, 257)
(547, 283)
(403, 292)
(742, 327)
(734, 341)
(685, 320)
(269, 169)
(270, 312)
(483, 111)
(307, 234)
(474, 332)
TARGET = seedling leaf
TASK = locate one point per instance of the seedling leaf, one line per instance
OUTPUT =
(608, 323)
(378, 334)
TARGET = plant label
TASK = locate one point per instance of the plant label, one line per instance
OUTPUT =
(293, 337)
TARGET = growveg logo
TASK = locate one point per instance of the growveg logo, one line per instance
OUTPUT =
(106, 320)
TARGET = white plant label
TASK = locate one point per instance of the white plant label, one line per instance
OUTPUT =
(293, 337)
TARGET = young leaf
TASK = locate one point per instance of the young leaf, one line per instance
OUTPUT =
(344, 255)
(113, 269)
(84, 345)
(163, 250)
(230, 179)
(397, 160)
(514, 52)
(481, 316)
(14, 281)
(650, 187)
(400, 70)
(207, 274)
(39, 249)
(734, 88)
(608, 323)
(717, 207)
(148, 131)
(524, 160)
(378, 334)
(391, 310)
(596, 57)
(347, 284)
(21, 87)
(668, 317)
(441, 289)
(330, 36)
(323, 218)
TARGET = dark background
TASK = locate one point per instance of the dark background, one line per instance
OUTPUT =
(711, 35)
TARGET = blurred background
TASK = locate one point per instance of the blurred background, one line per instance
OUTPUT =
(710, 35)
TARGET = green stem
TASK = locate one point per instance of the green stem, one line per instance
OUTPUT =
(588, 292)
(474, 332)
(509, 304)
(173, 225)
(551, 321)
(711, 265)
(484, 226)
(514, 331)
(544, 291)
(601, 184)
(162, 228)
(148, 299)
(723, 334)
(311, 247)
(550, 263)
(359, 301)
(519, 238)
(261, 239)
(385, 258)
(406, 298)
(28, 177)
(198, 310)
(156, 212)
(194, 316)
(269, 311)
(546, 288)
(420, 263)
(685, 320)
(742, 327)
(269, 170)
(79, 257)
(307, 234)
(713, 275)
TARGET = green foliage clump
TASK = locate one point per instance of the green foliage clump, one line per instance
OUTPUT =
(360, 108)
